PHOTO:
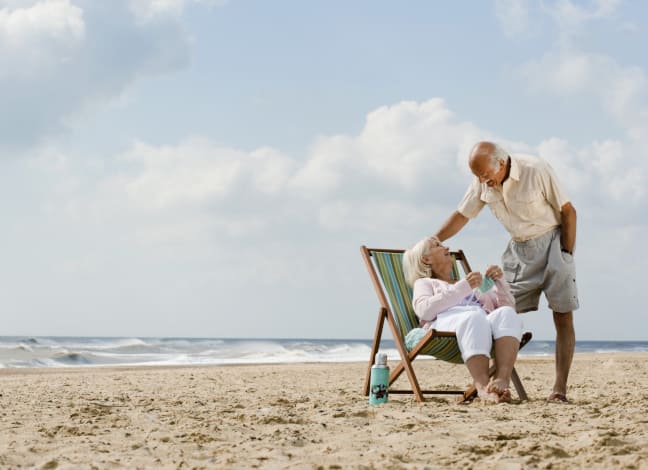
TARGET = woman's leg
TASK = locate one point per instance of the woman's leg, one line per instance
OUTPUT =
(478, 368)
(507, 331)
(475, 341)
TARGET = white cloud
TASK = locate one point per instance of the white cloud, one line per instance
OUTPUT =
(513, 16)
(408, 146)
(566, 163)
(621, 90)
(196, 189)
(572, 17)
(369, 216)
(151, 10)
(601, 171)
(408, 164)
(614, 170)
(44, 21)
(38, 37)
(620, 173)
(60, 59)
(197, 173)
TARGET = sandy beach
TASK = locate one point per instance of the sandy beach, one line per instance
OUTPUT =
(315, 416)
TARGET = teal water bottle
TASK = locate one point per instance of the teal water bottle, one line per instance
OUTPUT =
(379, 381)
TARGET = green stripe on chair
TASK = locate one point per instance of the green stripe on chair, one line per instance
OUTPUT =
(390, 269)
(444, 348)
(455, 269)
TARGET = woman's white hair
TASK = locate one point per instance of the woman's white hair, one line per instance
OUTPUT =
(498, 155)
(413, 266)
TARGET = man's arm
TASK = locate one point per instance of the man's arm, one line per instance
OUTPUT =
(568, 227)
(455, 223)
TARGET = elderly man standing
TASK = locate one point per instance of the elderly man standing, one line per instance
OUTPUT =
(524, 195)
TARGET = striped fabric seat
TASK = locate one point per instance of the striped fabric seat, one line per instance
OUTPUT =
(390, 269)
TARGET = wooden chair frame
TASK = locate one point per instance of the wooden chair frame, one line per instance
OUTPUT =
(407, 357)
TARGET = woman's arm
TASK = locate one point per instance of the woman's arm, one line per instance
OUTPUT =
(432, 296)
(503, 295)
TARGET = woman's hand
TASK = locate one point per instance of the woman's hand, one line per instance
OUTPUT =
(474, 279)
(494, 272)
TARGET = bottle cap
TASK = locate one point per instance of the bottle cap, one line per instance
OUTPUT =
(381, 360)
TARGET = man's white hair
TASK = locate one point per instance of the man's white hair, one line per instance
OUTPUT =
(498, 155)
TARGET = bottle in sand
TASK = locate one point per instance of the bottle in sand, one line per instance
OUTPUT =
(379, 381)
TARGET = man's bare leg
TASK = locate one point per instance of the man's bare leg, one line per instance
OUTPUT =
(565, 343)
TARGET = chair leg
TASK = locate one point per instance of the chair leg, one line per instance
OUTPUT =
(382, 314)
(517, 383)
(515, 378)
(405, 362)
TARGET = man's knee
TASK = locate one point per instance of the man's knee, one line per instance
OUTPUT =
(563, 320)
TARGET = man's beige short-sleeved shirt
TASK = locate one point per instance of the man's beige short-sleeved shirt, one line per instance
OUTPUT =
(529, 202)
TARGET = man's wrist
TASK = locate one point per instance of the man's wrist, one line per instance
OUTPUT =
(565, 250)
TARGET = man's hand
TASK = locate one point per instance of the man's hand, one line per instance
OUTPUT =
(455, 222)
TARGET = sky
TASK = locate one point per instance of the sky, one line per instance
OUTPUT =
(210, 168)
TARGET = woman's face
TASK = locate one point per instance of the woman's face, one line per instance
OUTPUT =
(438, 257)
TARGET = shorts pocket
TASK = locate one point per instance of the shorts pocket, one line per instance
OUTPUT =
(511, 272)
(566, 257)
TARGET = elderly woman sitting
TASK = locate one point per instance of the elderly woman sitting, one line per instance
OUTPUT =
(476, 317)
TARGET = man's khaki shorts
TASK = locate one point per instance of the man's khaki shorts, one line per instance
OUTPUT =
(536, 266)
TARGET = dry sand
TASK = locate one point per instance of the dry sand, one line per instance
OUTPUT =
(314, 416)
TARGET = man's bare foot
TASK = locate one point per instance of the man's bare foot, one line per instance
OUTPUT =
(558, 398)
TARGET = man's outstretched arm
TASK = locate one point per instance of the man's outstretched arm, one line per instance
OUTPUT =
(455, 222)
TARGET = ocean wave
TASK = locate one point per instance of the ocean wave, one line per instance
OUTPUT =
(72, 358)
(92, 351)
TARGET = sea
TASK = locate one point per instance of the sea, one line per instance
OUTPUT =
(50, 352)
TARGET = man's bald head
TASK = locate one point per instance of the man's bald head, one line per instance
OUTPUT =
(481, 151)
(489, 163)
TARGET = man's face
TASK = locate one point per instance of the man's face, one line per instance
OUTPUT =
(483, 170)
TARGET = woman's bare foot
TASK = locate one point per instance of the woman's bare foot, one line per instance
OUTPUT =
(500, 387)
(505, 396)
(487, 396)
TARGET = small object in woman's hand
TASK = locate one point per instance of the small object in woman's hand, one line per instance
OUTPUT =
(487, 284)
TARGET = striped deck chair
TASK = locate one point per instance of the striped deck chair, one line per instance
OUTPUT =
(395, 297)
